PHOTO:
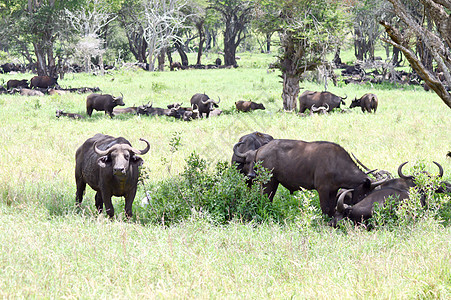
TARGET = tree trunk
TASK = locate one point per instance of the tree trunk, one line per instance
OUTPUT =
(40, 59)
(182, 53)
(229, 52)
(200, 29)
(268, 42)
(290, 91)
(161, 60)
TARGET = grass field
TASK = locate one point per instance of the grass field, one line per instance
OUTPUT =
(50, 250)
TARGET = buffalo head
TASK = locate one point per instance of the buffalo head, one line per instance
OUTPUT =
(119, 156)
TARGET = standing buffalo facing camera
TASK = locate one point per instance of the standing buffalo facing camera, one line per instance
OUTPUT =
(110, 167)
(102, 102)
(204, 104)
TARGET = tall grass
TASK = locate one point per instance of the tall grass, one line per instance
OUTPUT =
(49, 249)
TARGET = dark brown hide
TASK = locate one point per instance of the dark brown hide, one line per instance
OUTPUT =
(43, 82)
(309, 98)
(323, 166)
(13, 83)
(110, 167)
(102, 102)
(367, 102)
(247, 106)
(203, 103)
(251, 141)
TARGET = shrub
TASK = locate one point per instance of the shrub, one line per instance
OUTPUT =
(221, 194)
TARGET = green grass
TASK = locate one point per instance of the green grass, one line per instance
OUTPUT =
(49, 249)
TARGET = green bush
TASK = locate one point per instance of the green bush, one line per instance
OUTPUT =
(221, 194)
(410, 211)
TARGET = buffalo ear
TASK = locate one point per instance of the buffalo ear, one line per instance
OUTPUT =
(101, 161)
(137, 160)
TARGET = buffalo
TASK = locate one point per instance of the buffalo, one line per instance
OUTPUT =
(13, 83)
(60, 113)
(43, 82)
(397, 189)
(246, 106)
(103, 102)
(367, 102)
(323, 166)
(27, 92)
(149, 110)
(309, 98)
(110, 166)
(125, 110)
(204, 104)
(251, 141)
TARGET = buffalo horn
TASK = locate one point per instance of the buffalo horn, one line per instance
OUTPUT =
(124, 146)
(341, 206)
(440, 174)
(314, 108)
(136, 151)
(237, 153)
(400, 172)
(379, 182)
(327, 108)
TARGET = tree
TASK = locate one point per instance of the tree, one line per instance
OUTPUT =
(435, 36)
(366, 29)
(89, 21)
(39, 23)
(131, 19)
(163, 19)
(307, 30)
(236, 14)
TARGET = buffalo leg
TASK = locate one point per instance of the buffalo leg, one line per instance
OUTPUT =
(99, 202)
(108, 204)
(129, 203)
(327, 201)
(81, 186)
(89, 111)
(270, 188)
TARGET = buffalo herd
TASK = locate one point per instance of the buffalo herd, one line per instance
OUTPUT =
(344, 189)
(110, 166)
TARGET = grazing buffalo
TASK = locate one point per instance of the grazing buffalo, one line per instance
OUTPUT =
(101, 102)
(204, 104)
(13, 83)
(60, 113)
(251, 141)
(308, 98)
(323, 166)
(248, 106)
(43, 82)
(110, 167)
(396, 189)
(367, 102)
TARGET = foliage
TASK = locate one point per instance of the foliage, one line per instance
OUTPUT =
(423, 203)
(221, 195)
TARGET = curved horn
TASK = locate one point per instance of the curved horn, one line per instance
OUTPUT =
(237, 153)
(219, 100)
(440, 174)
(341, 206)
(144, 151)
(379, 182)
(400, 172)
(342, 98)
(327, 108)
(314, 108)
(104, 152)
